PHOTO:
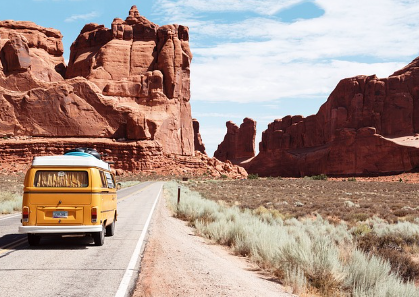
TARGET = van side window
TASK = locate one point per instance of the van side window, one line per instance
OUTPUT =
(61, 179)
(109, 178)
(103, 179)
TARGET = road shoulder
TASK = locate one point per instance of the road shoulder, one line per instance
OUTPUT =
(178, 263)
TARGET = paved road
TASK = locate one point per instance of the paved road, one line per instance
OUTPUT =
(73, 266)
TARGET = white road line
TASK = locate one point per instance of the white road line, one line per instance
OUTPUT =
(9, 217)
(123, 286)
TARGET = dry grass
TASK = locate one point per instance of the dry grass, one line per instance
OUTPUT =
(11, 193)
(350, 201)
(314, 256)
(378, 213)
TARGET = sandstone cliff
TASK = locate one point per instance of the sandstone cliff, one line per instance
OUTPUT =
(239, 143)
(127, 87)
(368, 126)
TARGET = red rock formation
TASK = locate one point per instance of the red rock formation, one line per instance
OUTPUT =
(25, 46)
(145, 156)
(199, 145)
(135, 83)
(360, 130)
(238, 143)
(130, 83)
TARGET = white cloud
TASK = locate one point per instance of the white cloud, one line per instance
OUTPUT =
(84, 17)
(254, 80)
(266, 7)
(262, 59)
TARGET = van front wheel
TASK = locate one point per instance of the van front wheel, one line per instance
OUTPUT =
(99, 237)
(34, 239)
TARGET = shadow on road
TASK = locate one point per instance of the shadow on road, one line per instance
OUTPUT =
(65, 242)
(10, 243)
(10, 238)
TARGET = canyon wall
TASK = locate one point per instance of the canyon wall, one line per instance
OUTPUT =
(368, 126)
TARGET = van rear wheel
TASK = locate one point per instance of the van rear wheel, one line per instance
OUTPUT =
(110, 229)
(99, 237)
(33, 239)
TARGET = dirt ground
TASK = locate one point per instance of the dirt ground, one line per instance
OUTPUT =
(392, 198)
(177, 263)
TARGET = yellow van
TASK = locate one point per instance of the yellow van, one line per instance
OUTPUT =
(74, 193)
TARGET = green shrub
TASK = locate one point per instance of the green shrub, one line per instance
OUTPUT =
(359, 217)
(319, 177)
(253, 176)
(361, 230)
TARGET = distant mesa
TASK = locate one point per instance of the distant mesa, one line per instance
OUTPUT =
(125, 91)
(368, 126)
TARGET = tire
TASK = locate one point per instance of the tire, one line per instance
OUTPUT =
(110, 229)
(99, 237)
(33, 239)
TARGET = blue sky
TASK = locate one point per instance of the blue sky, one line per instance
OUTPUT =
(262, 59)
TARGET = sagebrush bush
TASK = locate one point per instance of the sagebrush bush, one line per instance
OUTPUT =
(307, 254)
(319, 177)
(10, 202)
(253, 176)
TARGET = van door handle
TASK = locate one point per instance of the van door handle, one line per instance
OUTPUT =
(105, 191)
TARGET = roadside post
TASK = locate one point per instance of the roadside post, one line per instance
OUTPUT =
(178, 195)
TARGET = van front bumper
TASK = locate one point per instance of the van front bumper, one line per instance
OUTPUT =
(59, 229)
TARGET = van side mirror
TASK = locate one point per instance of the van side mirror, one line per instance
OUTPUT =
(118, 186)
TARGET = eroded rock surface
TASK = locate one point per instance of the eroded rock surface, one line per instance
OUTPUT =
(129, 84)
(199, 145)
(238, 143)
(358, 131)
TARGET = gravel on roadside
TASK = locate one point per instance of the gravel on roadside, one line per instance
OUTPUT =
(178, 263)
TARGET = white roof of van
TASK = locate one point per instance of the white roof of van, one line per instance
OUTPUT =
(70, 161)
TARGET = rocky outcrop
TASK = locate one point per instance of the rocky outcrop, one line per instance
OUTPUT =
(239, 143)
(130, 81)
(29, 52)
(360, 130)
(145, 157)
(199, 145)
(129, 84)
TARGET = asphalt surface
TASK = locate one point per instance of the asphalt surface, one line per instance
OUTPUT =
(74, 266)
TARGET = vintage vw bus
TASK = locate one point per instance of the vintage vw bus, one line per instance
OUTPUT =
(74, 193)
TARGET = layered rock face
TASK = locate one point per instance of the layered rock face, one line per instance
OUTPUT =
(147, 68)
(368, 126)
(131, 82)
(146, 156)
(239, 143)
(126, 89)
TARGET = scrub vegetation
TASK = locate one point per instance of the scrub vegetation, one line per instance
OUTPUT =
(313, 251)
(11, 193)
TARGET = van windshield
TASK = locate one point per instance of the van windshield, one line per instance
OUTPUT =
(59, 178)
